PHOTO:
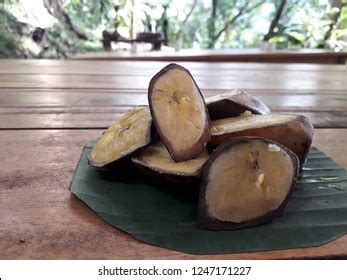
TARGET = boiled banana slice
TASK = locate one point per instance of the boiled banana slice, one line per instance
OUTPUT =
(179, 112)
(129, 133)
(234, 103)
(247, 181)
(292, 131)
(157, 159)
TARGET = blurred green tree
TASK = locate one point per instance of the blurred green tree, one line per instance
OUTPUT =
(71, 26)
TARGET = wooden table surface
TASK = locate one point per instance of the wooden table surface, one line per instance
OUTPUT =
(319, 56)
(50, 109)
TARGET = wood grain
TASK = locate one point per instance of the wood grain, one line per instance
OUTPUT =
(72, 108)
(49, 109)
(67, 67)
(228, 55)
(40, 219)
(221, 82)
(101, 118)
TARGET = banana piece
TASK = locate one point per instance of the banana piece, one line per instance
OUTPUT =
(234, 103)
(129, 133)
(179, 112)
(246, 182)
(156, 160)
(292, 131)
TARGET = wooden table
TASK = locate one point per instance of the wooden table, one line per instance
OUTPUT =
(319, 56)
(50, 109)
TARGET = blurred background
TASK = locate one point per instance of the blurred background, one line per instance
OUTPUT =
(63, 28)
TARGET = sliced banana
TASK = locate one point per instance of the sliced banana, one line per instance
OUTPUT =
(157, 158)
(129, 133)
(292, 131)
(247, 181)
(179, 112)
(234, 103)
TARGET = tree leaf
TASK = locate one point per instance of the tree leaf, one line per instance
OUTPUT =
(165, 216)
(343, 23)
(297, 36)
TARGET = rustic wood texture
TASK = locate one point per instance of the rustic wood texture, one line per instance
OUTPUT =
(147, 68)
(245, 80)
(83, 94)
(50, 109)
(41, 219)
(229, 55)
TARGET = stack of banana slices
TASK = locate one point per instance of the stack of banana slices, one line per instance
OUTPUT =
(244, 159)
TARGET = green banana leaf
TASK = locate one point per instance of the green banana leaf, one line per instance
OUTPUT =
(165, 215)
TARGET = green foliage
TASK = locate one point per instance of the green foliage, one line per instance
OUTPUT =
(8, 45)
(304, 24)
(343, 18)
(10, 42)
(308, 24)
(91, 15)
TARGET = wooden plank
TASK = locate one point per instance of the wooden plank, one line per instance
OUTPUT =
(68, 67)
(324, 119)
(281, 100)
(227, 55)
(40, 219)
(210, 76)
(283, 81)
(93, 117)
(30, 108)
(221, 58)
(234, 74)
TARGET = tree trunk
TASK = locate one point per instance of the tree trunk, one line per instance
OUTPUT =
(334, 4)
(275, 20)
(243, 10)
(190, 12)
(212, 24)
(55, 8)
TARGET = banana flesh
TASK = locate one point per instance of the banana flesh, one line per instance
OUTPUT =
(157, 158)
(129, 133)
(246, 121)
(247, 182)
(293, 131)
(179, 112)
